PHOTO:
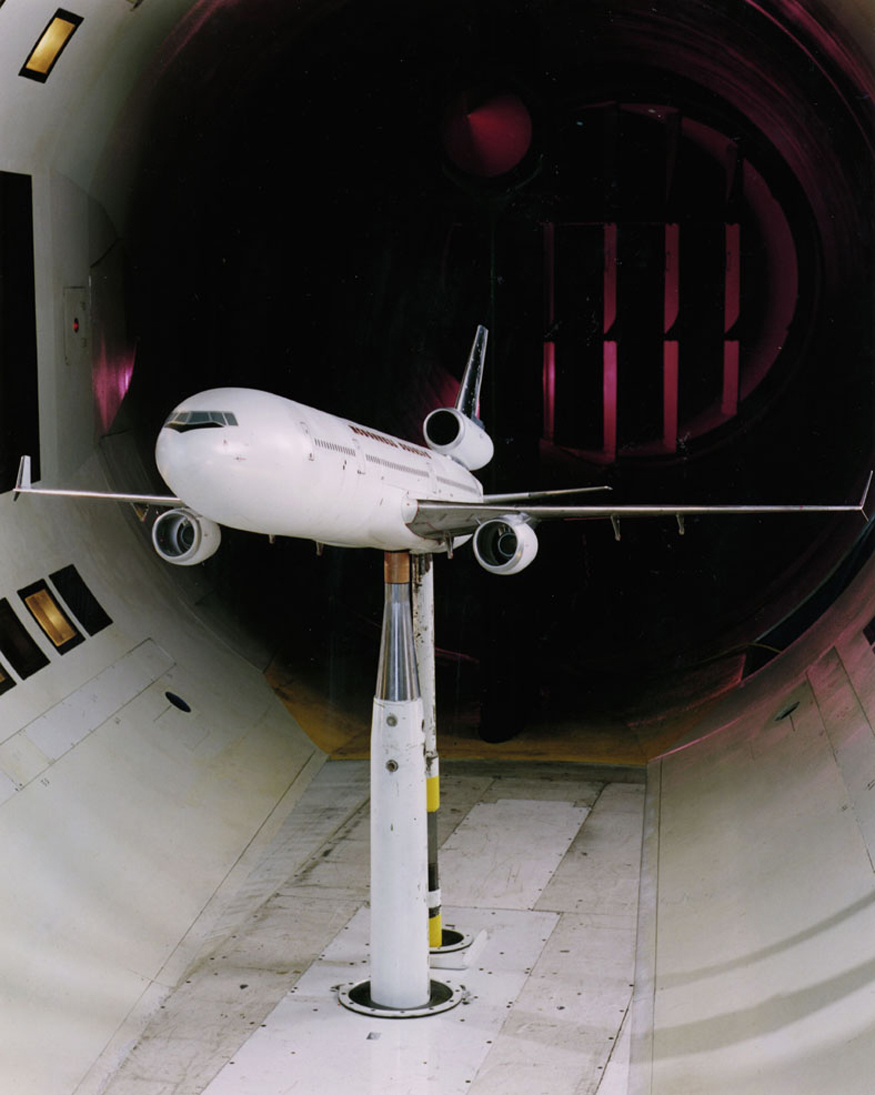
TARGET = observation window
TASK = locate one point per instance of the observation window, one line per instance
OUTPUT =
(52, 619)
(50, 45)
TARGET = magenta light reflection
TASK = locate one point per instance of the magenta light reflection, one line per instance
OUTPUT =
(110, 378)
(670, 347)
(731, 312)
(609, 392)
(549, 390)
(609, 377)
(549, 380)
(670, 396)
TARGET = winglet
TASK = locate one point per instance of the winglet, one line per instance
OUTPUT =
(862, 506)
(468, 399)
(22, 481)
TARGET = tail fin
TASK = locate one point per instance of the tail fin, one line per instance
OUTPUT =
(468, 399)
(22, 482)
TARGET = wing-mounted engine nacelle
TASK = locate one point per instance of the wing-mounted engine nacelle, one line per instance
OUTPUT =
(505, 546)
(185, 538)
(452, 433)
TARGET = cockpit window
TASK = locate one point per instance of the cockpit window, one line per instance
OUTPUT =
(199, 420)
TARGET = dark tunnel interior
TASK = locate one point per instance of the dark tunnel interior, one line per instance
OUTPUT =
(663, 214)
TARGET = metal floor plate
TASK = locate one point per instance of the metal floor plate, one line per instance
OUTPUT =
(312, 1044)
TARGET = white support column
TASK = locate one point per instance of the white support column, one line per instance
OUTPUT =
(400, 983)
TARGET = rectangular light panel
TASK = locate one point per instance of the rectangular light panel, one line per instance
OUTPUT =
(50, 45)
(52, 619)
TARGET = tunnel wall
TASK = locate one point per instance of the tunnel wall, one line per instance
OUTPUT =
(122, 816)
(757, 928)
(126, 823)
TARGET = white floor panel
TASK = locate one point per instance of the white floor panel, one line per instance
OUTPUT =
(311, 1044)
(504, 853)
(547, 978)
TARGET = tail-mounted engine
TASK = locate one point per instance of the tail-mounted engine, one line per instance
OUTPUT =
(505, 547)
(451, 433)
(456, 431)
(185, 538)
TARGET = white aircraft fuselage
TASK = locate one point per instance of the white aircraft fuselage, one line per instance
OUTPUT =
(279, 467)
(261, 463)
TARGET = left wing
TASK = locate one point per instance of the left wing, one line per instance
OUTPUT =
(437, 520)
(23, 486)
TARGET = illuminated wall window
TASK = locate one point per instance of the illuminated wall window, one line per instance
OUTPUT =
(50, 45)
(16, 645)
(80, 600)
(52, 619)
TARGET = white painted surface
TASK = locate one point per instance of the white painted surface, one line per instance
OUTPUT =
(69, 721)
(399, 972)
(764, 943)
(504, 853)
(549, 989)
(131, 814)
(311, 1044)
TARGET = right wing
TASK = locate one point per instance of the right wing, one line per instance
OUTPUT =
(438, 520)
(23, 486)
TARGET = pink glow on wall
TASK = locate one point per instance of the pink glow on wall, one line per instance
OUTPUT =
(189, 27)
(782, 278)
(609, 395)
(610, 307)
(670, 396)
(549, 390)
(111, 376)
(550, 315)
(672, 275)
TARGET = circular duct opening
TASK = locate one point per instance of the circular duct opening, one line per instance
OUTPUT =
(299, 227)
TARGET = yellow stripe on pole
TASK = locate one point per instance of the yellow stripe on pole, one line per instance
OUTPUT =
(433, 793)
(435, 930)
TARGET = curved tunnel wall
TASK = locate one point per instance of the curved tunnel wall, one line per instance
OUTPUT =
(126, 821)
(115, 846)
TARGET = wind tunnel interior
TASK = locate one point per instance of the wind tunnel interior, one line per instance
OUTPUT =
(664, 218)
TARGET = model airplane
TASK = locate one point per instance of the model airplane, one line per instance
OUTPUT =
(262, 463)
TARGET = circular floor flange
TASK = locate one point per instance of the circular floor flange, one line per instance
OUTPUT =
(358, 998)
(451, 940)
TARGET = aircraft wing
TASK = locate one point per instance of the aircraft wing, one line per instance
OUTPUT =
(530, 496)
(23, 486)
(437, 520)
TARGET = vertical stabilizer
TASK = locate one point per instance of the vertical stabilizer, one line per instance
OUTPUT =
(468, 399)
